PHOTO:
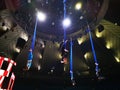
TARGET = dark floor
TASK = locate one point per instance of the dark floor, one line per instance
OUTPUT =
(65, 84)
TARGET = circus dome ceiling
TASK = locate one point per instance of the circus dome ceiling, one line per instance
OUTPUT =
(80, 13)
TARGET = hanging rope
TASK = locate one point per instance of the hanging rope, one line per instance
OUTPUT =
(34, 36)
(71, 60)
(64, 3)
(94, 54)
(71, 63)
(30, 54)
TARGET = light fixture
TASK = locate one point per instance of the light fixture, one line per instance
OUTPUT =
(81, 39)
(87, 55)
(66, 22)
(98, 34)
(117, 59)
(78, 6)
(109, 45)
(41, 16)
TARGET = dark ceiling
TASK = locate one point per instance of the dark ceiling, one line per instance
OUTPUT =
(113, 15)
(47, 69)
(52, 29)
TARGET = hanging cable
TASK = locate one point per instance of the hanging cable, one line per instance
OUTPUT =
(64, 50)
(92, 46)
(94, 53)
(64, 3)
(34, 36)
(71, 63)
(30, 54)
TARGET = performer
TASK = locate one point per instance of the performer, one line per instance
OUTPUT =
(64, 52)
(29, 61)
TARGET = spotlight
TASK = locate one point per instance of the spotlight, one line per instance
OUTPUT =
(41, 16)
(78, 6)
(66, 22)
(88, 55)
(117, 59)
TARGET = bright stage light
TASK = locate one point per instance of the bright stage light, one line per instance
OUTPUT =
(78, 6)
(41, 16)
(66, 22)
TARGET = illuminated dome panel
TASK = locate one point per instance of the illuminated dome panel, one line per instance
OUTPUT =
(80, 12)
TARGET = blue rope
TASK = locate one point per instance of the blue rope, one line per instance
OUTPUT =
(30, 54)
(71, 57)
(34, 36)
(71, 60)
(94, 54)
(64, 2)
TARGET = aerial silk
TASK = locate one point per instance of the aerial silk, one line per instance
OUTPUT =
(64, 3)
(30, 54)
(94, 54)
(71, 63)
